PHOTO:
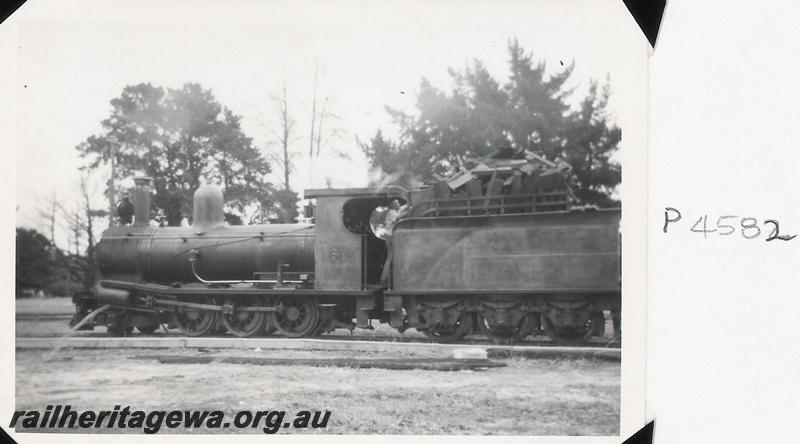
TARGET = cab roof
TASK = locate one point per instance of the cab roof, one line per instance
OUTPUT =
(390, 191)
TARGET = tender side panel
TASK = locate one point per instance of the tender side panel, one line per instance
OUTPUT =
(537, 252)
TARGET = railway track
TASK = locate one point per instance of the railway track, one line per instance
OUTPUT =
(252, 342)
(276, 343)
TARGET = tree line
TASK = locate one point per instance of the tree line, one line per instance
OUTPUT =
(531, 111)
(41, 266)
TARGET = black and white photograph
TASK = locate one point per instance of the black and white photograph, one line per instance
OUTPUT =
(330, 218)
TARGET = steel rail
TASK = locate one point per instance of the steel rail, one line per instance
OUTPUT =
(493, 351)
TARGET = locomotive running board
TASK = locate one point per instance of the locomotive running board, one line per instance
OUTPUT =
(211, 291)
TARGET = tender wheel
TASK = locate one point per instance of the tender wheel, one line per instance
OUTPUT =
(573, 336)
(244, 323)
(195, 321)
(448, 333)
(297, 316)
(507, 334)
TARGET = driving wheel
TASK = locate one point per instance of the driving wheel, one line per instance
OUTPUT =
(196, 321)
(296, 317)
(241, 322)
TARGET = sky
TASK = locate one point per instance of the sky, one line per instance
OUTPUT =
(370, 55)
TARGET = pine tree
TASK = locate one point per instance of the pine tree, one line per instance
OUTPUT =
(479, 116)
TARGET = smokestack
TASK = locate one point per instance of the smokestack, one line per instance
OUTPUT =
(141, 200)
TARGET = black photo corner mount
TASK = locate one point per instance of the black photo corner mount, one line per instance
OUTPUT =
(648, 14)
(8, 7)
(5, 438)
(643, 436)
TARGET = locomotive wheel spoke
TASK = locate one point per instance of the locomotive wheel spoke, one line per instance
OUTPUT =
(297, 316)
(244, 324)
(196, 322)
(572, 336)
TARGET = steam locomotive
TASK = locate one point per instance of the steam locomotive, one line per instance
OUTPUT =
(503, 253)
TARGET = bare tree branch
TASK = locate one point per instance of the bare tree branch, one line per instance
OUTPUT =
(312, 137)
(47, 212)
(284, 134)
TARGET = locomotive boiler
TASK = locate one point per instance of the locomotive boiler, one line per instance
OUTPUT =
(208, 251)
(503, 254)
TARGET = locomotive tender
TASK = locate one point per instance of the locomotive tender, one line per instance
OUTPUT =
(506, 265)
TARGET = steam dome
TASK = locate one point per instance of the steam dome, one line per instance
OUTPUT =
(207, 213)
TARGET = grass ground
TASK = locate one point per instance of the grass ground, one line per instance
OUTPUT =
(528, 397)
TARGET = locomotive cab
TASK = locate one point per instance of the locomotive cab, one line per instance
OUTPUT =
(348, 255)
